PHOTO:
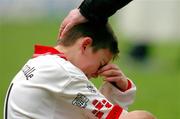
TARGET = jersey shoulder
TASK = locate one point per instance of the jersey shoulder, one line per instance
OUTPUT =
(54, 65)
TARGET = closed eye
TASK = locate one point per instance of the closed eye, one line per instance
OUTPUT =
(101, 66)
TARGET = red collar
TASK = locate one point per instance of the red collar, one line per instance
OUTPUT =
(43, 50)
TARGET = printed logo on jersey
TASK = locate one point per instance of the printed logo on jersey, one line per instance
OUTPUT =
(28, 71)
(98, 106)
(91, 88)
(80, 101)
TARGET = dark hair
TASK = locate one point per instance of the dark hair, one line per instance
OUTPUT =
(101, 34)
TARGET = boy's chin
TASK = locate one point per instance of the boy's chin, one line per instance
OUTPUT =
(91, 76)
(88, 76)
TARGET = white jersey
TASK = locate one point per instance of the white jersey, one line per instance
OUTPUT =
(50, 87)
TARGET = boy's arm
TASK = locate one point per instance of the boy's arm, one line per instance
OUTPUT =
(83, 94)
(117, 87)
(116, 96)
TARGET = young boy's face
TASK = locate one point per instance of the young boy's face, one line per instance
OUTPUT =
(82, 55)
(91, 61)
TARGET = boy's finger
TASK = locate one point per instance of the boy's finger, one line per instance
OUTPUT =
(108, 67)
(109, 73)
(111, 79)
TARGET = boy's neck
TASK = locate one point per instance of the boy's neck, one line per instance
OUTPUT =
(66, 50)
(60, 49)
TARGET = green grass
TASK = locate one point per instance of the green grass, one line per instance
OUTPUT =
(157, 79)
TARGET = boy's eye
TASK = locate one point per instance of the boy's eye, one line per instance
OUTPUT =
(101, 65)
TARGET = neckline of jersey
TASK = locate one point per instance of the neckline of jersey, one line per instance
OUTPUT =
(47, 50)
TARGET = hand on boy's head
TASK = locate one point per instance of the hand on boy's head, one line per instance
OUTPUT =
(73, 18)
(112, 73)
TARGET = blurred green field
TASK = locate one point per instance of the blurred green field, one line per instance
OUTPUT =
(157, 79)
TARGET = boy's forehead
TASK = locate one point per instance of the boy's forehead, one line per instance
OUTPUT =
(106, 55)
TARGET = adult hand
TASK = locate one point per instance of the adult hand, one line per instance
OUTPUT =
(73, 18)
(113, 74)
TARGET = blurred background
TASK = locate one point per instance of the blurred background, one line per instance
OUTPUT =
(149, 42)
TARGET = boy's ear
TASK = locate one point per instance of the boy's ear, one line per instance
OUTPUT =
(86, 42)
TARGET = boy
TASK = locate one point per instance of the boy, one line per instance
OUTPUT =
(54, 83)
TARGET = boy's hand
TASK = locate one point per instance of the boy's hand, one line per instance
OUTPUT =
(114, 75)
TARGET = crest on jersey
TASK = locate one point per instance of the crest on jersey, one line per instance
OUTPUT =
(80, 101)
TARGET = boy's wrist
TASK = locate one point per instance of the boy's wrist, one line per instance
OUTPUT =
(123, 84)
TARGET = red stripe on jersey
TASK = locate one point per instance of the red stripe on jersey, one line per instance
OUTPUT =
(43, 50)
(115, 112)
